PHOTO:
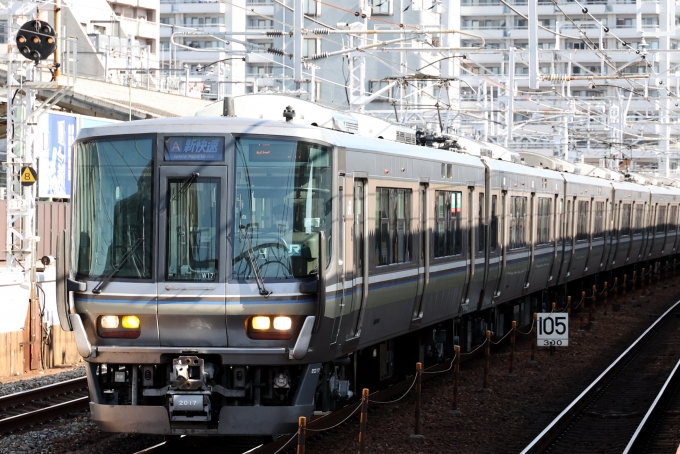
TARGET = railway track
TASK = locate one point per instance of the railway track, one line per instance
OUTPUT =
(658, 432)
(315, 427)
(27, 408)
(605, 416)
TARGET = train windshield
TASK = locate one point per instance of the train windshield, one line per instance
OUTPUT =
(283, 200)
(112, 207)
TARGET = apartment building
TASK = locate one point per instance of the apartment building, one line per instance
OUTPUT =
(217, 66)
(628, 115)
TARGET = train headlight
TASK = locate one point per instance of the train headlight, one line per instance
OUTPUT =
(282, 323)
(261, 323)
(109, 321)
(119, 326)
(130, 322)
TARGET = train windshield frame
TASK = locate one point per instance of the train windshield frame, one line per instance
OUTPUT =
(282, 200)
(113, 207)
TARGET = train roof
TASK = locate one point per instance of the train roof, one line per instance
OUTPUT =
(207, 125)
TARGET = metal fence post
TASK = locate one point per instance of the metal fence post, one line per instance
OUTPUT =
(362, 421)
(606, 293)
(591, 316)
(302, 432)
(487, 360)
(419, 380)
(456, 369)
(534, 340)
(512, 348)
(580, 312)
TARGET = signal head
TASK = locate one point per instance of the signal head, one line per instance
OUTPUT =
(36, 40)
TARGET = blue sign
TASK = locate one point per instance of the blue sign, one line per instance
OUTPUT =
(55, 165)
(194, 148)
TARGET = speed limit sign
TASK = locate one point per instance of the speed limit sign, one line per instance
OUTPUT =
(552, 329)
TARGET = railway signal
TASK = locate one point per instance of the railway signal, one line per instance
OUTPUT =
(36, 40)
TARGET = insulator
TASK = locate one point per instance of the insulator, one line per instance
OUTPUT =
(278, 52)
(320, 31)
(585, 10)
(556, 78)
(318, 56)
(274, 32)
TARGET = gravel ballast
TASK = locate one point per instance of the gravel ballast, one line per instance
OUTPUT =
(501, 421)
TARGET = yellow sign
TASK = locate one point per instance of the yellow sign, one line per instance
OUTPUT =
(28, 176)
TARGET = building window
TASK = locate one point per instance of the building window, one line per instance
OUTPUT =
(448, 235)
(392, 229)
(310, 47)
(582, 225)
(518, 213)
(543, 232)
(381, 7)
(376, 85)
(311, 8)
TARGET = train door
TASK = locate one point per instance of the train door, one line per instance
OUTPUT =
(470, 250)
(341, 293)
(532, 241)
(192, 256)
(359, 259)
(423, 256)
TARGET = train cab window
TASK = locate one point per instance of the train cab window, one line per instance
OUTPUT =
(518, 214)
(493, 225)
(283, 199)
(481, 238)
(661, 219)
(448, 235)
(582, 225)
(113, 207)
(543, 221)
(639, 219)
(625, 219)
(392, 226)
(598, 225)
(193, 223)
(672, 218)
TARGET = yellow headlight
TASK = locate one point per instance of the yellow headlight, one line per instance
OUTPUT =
(109, 321)
(282, 323)
(260, 322)
(130, 322)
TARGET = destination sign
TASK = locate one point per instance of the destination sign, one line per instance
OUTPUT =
(187, 148)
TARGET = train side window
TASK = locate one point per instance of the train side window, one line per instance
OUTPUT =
(661, 219)
(598, 227)
(560, 220)
(639, 217)
(543, 224)
(625, 220)
(672, 218)
(518, 210)
(448, 235)
(493, 234)
(480, 224)
(582, 225)
(392, 229)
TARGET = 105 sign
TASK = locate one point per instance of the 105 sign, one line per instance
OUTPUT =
(552, 329)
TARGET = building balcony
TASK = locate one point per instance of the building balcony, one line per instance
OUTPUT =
(139, 28)
(167, 30)
(183, 55)
(260, 7)
(148, 4)
(192, 6)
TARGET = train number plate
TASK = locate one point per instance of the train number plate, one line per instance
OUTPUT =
(552, 329)
(187, 403)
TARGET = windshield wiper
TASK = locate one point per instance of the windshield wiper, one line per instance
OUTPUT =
(187, 183)
(253, 262)
(105, 280)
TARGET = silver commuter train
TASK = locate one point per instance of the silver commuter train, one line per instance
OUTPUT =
(228, 275)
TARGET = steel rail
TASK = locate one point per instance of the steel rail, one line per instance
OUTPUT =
(44, 392)
(543, 440)
(643, 431)
(43, 414)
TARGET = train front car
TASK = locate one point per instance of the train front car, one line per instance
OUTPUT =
(194, 277)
